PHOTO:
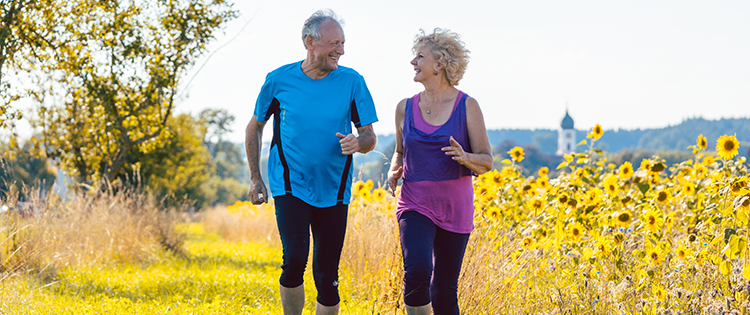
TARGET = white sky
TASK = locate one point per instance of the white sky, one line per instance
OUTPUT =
(622, 64)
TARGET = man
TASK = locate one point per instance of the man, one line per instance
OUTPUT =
(314, 103)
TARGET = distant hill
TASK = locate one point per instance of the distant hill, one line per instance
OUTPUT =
(677, 137)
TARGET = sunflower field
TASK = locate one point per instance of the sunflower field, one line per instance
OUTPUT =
(598, 238)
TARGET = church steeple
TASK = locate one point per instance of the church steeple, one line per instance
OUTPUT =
(566, 136)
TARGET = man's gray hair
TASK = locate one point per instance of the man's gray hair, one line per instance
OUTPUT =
(312, 25)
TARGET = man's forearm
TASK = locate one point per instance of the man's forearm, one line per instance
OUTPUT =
(367, 139)
(253, 136)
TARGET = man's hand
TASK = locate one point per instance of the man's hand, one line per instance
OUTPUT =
(349, 143)
(257, 193)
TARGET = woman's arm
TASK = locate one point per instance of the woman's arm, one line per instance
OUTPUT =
(397, 161)
(480, 161)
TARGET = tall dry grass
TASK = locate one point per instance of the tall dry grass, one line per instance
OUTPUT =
(371, 260)
(101, 227)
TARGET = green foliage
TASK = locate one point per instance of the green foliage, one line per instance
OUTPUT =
(117, 66)
(23, 167)
(26, 29)
(218, 190)
(178, 165)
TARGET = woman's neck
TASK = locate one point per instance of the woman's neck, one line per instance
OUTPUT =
(438, 90)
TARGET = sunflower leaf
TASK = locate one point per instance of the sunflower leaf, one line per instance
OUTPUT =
(725, 267)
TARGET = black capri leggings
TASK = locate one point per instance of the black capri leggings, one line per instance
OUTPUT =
(295, 218)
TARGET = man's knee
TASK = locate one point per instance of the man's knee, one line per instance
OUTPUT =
(292, 271)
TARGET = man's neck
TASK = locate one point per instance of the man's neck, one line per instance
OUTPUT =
(313, 71)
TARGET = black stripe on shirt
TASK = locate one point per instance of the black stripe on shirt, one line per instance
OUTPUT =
(275, 110)
(355, 114)
(344, 178)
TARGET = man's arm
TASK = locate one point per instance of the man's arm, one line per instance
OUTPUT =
(253, 136)
(363, 143)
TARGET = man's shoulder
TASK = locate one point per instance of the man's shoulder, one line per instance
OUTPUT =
(287, 69)
(346, 71)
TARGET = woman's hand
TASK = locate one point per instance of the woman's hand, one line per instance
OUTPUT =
(457, 151)
(393, 177)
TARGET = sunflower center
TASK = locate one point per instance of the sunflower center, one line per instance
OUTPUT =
(626, 170)
(662, 196)
(576, 232)
(623, 217)
(654, 255)
(729, 145)
(651, 220)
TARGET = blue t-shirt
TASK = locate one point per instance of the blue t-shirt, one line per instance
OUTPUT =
(305, 158)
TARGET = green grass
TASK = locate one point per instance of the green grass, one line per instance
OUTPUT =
(213, 276)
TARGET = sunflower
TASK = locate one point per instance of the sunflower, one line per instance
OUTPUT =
(659, 292)
(542, 182)
(663, 196)
(688, 188)
(497, 178)
(738, 185)
(653, 219)
(562, 198)
(683, 253)
(596, 132)
(618, 238)
(593, 196)
(611, 186)
(516, 154)
(536, 204)
(543, 171)
(576, 231)
(702, 142)
(623, 218)
(528, 242)
(493, 212)
(646, 164)
(626, 170)
(359, 186)
(727, 146)
(379, 194)
(603, 247)
(654, 255)
(700, 170)
(708, 160)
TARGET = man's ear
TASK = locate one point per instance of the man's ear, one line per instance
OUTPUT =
(309, 41)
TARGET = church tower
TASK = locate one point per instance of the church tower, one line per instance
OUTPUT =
(566, 137)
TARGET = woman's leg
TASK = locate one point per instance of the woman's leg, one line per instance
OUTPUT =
(449, 254)
(417, 239)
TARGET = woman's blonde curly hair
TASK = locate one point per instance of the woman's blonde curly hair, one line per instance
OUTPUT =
(449, 51)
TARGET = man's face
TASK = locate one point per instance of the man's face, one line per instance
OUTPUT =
(325, 53)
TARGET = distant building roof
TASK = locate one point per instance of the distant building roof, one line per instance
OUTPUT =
(567, 122)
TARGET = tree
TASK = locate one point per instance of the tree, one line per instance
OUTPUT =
(117, 68)
(22, 167)
(218, 123)
(179, 166)
(26, 36)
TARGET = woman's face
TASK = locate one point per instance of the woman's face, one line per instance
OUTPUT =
(424, 64)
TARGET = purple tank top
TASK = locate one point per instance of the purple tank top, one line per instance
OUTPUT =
(435, 185)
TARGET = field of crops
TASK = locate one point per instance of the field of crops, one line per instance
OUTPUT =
(597, 239)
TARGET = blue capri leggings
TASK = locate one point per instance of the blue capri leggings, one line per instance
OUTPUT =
(295, 218)
(421, 242)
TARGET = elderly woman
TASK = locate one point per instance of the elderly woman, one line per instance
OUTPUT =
(441, 141)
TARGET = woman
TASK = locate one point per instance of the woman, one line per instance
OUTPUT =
(441, 141)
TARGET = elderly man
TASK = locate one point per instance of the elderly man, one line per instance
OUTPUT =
(314, 103)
